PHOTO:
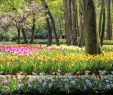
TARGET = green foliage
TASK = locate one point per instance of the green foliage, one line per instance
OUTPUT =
(41, 32)
(10, 5)
(17, 9)
(56, 84)
(108, 42)
(10, 34)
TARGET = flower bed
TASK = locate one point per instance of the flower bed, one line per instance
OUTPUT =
(51, 59)
(64, 70)
(57, 84)
(20, 50)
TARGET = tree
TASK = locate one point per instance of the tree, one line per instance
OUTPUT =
(66, 21)
(102, 27)
(70, 22)
(18, 13)
(81, 32)
(33, 28)
(74, 22)
(51, 19)
(100, 19)
(34, 10)
(48, 23)
(19, 23)
(91, 41)
(109, 25)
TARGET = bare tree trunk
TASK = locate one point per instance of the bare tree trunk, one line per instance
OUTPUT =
(70, 16)
(70, 23)
(74, 24)
(66, 17)
(33, 28)
(100, 19)
(48, 23)
(81, 32)
(76, 16)
(91, 41)
(54, 28)
(103, 24)
(18, 29)
(24, 36)
(109, 25)
(52, 22)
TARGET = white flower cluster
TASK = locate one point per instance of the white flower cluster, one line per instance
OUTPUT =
(57, 84)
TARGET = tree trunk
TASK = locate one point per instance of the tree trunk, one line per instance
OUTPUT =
(100, 19)
(91, 41)
(53, 24)
(76, 16)
(81, 32)
(70, 23)
(66, 17)
(74, 23)
(109, 25)
(24, 36)
(103, 24)
(48, 23)
(18, 29)
(70, 16)
(33, 28)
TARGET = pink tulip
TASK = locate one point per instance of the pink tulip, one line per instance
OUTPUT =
(20, 50)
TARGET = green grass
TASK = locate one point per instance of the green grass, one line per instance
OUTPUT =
(108, 42)
(41, 41)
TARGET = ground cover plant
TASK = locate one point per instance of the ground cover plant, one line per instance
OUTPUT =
(57, 84)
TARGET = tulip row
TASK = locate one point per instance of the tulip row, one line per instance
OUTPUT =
(51, 59)
(20, 50)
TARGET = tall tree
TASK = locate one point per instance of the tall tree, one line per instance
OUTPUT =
(74, 22)
(109, 25)
(52, 21)
(53, 25)
(48, 23)
(66, 17)
(100, 19)
(33, 28)
(70, 22)
(24, 35)
(81, 32)
(34, 10)
(103, 22)
(91, 41)
(19, 30)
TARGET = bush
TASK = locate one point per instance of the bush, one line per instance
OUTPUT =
(9, 35)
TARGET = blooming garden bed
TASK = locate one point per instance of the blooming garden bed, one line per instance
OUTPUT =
(57, 85)
(51, 59)
(41, 69)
